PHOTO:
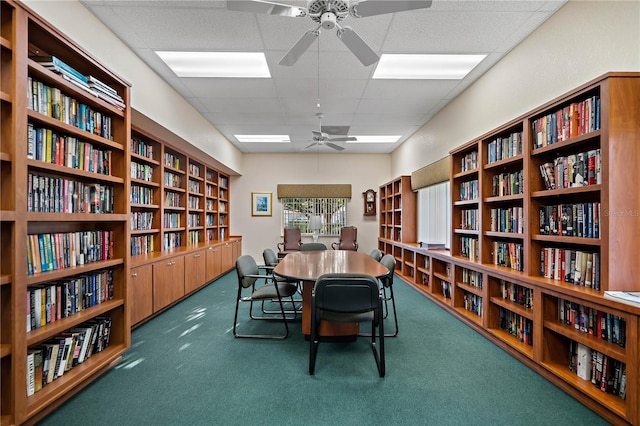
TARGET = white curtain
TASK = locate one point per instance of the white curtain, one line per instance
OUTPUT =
(434, 214)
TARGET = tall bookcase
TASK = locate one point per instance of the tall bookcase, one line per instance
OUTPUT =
(545, 219)
(179, 220)
(64, 204)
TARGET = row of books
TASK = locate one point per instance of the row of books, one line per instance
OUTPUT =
(171, 240)
(141, 195)
(469, 219)
(472, 278)
(510, 219)
(194, 237)
(141, 221)
(469, 190)
(88, 83)
(472, 303)
(193, 220)
(574, 170)
(172, 199)
(194, 186)
(571, 220)
(515, 293)
(52, 359)
(61, 195)
(141, 244)
(53, 301)
(141, 172)
(507, 184)
(194, 170)
(171, 220)
(606, 373)
(469, 248)
(51, 102)
(210, 191)
(469, 161)
(61, 250)
(140, 147)
(193, 202)
(572, 266)
(516, 325)
(172, 180)
(446, 289)
(603, 325)
(509, 255)
(570, 121)
(504, 147)
(52, 147)
(172, 160)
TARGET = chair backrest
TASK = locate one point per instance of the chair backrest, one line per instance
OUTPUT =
(376, 254)
(312, 246)
(292, 238)
(346, 293)
(270, 257)
(348, 238)
(389, 262)
(246, 265)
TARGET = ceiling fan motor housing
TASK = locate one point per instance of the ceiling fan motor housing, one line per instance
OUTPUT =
(319, 10)
(328, 20)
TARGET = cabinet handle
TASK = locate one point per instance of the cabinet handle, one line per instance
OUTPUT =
(196, 256)
(171, 263)
(135, 274)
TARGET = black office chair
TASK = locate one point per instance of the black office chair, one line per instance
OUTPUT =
(376, 254)
(312, 247)
(248, 275)
(270, 261)
(387, 285)
(347, 298)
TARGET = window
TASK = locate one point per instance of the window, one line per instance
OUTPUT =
(434, 214)
(329, 213)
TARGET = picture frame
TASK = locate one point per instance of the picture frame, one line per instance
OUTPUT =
(261, 204)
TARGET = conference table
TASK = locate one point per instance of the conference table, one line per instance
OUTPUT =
(307, 266)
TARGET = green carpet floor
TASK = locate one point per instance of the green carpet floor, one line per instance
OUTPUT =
(186, 368)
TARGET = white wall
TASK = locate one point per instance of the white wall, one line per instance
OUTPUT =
(263, 172)
(581, 41)
(150, 95)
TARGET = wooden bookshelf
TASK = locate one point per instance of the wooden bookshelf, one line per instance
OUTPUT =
(189, 242)
(508, 227)
(65, 199)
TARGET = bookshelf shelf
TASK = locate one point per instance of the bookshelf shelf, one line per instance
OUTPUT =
(48, 238)
(520, 311)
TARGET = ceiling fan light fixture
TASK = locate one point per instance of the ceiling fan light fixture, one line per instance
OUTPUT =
(426, 67)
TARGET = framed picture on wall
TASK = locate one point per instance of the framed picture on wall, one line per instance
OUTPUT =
(261, 204)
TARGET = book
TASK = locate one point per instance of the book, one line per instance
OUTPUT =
(432, 246)
(31, 373)
(584, 362)
(54, 62)
(630, 297)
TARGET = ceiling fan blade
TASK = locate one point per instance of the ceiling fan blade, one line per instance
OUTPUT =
(357, 46)
(334, 146)
(309, 146)
(344, 139)
(299, 48)
(380, 7)
(266, 7)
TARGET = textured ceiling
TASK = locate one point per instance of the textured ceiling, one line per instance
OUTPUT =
(286, 103)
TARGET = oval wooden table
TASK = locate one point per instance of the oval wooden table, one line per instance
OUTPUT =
(307, 266)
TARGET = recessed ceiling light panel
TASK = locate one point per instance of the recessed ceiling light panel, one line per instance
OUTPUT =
(426, 67)
(263, 138)
(376, 139)
(217, 64)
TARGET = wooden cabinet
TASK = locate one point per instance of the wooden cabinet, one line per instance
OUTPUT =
(544, 215)
(195, 270)
(168, 282)
(213, 262)
(58, 134)
(141, 293)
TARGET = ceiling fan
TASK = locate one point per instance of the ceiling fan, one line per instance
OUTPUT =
(329, 13)
(322, 138)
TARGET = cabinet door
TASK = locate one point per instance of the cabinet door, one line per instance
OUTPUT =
(214, 262)
(237, 251)
(227, 257)
(168, 282)
(194, 271)
(141, 296)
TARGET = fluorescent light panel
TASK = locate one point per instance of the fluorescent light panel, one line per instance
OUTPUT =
(376, 139)
(217, 64)
(263, 138)
(425, 67)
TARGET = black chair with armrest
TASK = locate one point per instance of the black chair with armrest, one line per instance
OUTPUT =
(248, 278)
(347, 298)
(386, 293)
(312, 247)
(270, 261)
(348, 239)
(376, 254)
